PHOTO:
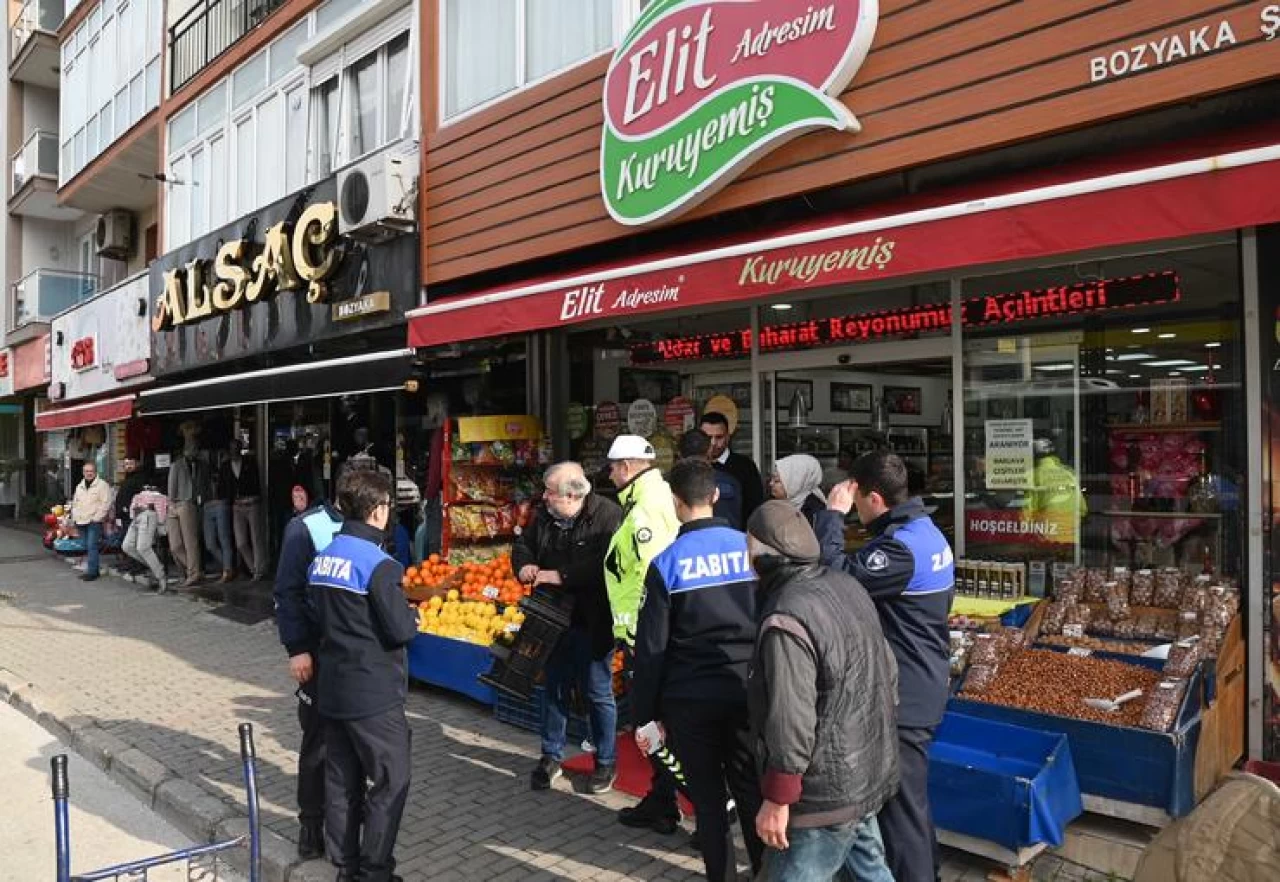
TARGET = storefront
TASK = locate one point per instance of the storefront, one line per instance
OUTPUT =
(285, 336)
(1055, 330)
(11, 461)
(43, 484)
(99, 355)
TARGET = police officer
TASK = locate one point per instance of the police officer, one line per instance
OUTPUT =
(305, 535)
(648, 526)
(693, 647)
(364, 625)
(909, 571)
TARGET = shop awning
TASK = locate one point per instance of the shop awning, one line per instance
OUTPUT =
(76, 415)
(1171, 193)
(352, 375)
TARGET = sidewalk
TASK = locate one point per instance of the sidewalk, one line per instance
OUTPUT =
(152, 688)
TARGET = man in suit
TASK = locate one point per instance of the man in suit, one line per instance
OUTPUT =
(716, 425)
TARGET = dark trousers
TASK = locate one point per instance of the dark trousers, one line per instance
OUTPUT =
(361, 825)
(713, 743)
(905, 820)
(311, 770)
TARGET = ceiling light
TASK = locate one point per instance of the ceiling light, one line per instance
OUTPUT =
(1114, 371)
(1141, 331)
(1175, 373)
(1132, 356)
(1135, 376)
(1217, 367)
(780, 307)
(1213, 345)
(1168, 336)
(1195, 367)
(1168, 362)
(1065, 366)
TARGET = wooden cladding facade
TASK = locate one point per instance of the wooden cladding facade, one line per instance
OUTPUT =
(945, 78)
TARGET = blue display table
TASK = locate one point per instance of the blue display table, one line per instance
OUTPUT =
(451, 664)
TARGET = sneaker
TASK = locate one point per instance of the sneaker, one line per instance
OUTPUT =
(601, 780)
(545, 774)
(651, 814)
(311, 840)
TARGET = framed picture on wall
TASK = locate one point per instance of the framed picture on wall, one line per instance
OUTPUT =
(851, 397)
(903, 400)
(657, 386)
(787, 390)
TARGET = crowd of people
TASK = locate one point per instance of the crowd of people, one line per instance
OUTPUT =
(774, 675)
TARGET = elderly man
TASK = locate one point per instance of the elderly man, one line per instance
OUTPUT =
(90, 507)
(565, 547)
(822, 694)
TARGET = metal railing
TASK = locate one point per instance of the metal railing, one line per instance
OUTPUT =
(208, 29)
(42, 294)
(37, 158)
(35, 15)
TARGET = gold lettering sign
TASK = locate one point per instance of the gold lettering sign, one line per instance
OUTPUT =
(306, 255)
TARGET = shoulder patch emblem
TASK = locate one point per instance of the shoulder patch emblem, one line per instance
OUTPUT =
(644, 534)
(877, 561)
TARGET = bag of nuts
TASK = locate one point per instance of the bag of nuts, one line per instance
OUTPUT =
(1168, 588)
(1166, 627)
(1162, 705)
(1220, 607)
(1188, 624)
(1126, 629)
(1117, 600)
(1012, 639)
(1195, 595)
(1054, 615)
(1183, 658)
(980, 678)
(986, 651)
(1068, 591)
(1143, 590)
(1077, 620)
(1144, 626)
(1094, 580)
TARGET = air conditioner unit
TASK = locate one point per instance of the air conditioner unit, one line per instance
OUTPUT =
(377, 197)
(114, 237)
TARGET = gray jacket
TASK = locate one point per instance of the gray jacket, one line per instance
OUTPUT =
(823, 689)
(188, 479)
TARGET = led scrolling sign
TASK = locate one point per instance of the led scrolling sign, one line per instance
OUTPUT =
(1084, 298)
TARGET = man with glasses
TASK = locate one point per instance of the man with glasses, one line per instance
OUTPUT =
(565, 547)
(364, 625)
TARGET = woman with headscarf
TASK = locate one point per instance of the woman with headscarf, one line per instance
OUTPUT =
(798, 479)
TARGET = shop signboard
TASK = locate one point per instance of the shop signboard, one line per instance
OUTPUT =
(1010, 460)
(6, 373)
(31, 364)
(279, 278)
(103, 344)
(698, 90)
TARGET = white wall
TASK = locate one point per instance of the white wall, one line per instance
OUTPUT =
(47, 245)
(121, 336)
(39, 109)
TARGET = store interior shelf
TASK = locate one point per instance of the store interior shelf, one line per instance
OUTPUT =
(1161, 514)
(1161, 428)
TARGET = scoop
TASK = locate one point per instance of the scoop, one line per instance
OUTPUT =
(1111, 705)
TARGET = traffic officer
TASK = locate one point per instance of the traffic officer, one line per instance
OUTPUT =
(365, 623)
(693, 648)
(909, 571)
(306, 534)
(648, 526)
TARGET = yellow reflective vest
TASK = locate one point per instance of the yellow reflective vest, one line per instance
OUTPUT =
(648, 526)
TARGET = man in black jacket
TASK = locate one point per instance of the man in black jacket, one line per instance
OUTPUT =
(565, 546)
(306, 535)
(693, 646)
(696, 444)
(716, 425)
(134, 480)
(822, 692)
(365, 623)
(909, 571)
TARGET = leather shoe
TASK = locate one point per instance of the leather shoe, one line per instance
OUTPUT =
(227, 576)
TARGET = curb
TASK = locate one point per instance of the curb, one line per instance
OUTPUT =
(202, 816)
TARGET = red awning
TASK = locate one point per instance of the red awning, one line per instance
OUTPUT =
(73, 417)
(1231, 182)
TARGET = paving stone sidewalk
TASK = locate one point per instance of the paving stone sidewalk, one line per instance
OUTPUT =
(153, 687)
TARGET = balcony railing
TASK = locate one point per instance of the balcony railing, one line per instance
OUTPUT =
(208, 29)
(35, 15)
(40, 295)
(37, 158)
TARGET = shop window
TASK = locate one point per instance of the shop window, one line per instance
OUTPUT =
(1104, 414)
(492, 47)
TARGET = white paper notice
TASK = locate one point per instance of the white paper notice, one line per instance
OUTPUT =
(1010, 465)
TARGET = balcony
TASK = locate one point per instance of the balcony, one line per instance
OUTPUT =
(34, 180)
(33, 43)
(39, 296)
(208, 29)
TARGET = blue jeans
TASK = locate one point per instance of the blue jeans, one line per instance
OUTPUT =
(92, 543)
(217, 533)
(850, 851)
(571, 664)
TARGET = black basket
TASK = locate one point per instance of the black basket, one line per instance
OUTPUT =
(517, 668)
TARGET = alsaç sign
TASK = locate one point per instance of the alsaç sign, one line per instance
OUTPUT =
(700, 89)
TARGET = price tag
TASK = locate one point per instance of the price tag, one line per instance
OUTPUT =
(1074, 630)
(511, 627)
(491, 592)
(1080, 651)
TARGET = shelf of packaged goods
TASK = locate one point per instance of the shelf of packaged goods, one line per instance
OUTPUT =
(1189, 515)
(1161, 428)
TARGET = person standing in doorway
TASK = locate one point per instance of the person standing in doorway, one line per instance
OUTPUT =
(133, 482)
(306, 535)
(798, 480)
(217, 522)
(188, 480)
(696, 444)
(909, 571)
(246, 484)
(365, 623)
(90, 506)
(716, 425)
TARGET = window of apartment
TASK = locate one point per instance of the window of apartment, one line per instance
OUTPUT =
(110, 78)
(492, 47)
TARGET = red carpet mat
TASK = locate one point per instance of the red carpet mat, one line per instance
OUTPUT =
(635, 773)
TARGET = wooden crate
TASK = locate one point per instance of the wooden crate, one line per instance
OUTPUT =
(1223, 720)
